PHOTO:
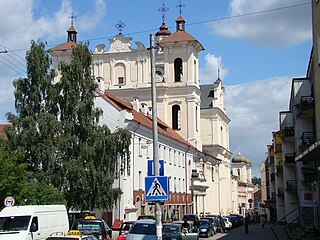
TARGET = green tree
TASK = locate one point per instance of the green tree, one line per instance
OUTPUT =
(58, 126)
(16, 181)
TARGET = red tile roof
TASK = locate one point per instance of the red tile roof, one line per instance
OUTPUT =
(2, 126)
(63, 47)
(140, 118)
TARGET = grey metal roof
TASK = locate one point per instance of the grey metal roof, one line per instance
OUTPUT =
(207, 94)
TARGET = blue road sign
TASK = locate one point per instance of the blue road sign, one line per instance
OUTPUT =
(151, 168)
(156, 188)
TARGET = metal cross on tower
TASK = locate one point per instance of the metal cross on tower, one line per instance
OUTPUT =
(163, 10)
(180, 6)
(120, 25)
(72, 17)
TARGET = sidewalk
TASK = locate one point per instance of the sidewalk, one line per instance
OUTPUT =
(255, 232)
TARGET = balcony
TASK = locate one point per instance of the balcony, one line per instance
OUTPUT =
(291, 186)
(287, 132)
(280, 191)
(289, 158)
(306, 106)
(307, 139)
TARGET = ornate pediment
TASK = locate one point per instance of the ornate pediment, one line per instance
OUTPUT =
(120, 43)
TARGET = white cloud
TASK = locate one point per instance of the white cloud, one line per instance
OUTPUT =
(285, 27)
(254, 112)
(210, 71)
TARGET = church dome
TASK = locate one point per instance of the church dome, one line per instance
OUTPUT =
(240, 159)
(163, 30)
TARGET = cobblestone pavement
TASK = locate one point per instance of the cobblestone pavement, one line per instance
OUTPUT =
(255, 232)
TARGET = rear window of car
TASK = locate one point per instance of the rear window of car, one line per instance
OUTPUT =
(88, 227)
(171, 229)
(143, 228)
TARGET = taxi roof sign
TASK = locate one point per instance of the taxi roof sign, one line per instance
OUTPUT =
(74, 232)
(90, 217)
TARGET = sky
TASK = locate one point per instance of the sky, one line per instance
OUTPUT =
(257, 45)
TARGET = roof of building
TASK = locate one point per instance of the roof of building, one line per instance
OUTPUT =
(240, 159)
(140, 118)
(2, 126)
(64, 47)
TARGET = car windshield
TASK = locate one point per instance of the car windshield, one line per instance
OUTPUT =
(14, 223)
(189, 217)
(204, 223)
(143, 228)
(88, 227)
(171, 229)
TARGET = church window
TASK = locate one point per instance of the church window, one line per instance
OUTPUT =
(120, 73)
(176, 117)
(178, 69)
(238, 170)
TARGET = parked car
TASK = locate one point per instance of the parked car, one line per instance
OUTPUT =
(142, 230)
(227, 222)
(124, 229)
(213, 222)
(221, 227)
(206, 228)
(90, 225)
(190, 217)
(146, 217)
(174, 231)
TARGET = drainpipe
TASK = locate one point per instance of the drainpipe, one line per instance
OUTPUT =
(186, 175)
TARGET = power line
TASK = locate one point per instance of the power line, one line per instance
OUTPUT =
(189, 24)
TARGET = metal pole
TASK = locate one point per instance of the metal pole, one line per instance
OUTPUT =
(155, 132)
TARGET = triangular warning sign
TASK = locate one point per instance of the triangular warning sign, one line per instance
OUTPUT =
(156, 189)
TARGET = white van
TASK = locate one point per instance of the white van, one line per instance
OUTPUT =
(33, 222)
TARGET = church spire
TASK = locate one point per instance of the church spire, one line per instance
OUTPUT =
(163, 29)
(72, 33)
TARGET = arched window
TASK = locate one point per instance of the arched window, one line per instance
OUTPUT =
(176, 117)
(177, 69)
(120, 73)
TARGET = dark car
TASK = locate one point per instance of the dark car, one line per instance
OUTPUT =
(213, 222)
(146, 217)
(124, 229)
(171, 231)
(90, 225)
(206, 228)
(221, 227)
(190, 217)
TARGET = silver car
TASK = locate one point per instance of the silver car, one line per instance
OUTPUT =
(142, 230)
(172, 231)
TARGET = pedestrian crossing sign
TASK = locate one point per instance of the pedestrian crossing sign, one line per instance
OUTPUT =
(156, 188)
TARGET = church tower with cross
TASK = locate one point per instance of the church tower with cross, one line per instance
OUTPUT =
(126, 72)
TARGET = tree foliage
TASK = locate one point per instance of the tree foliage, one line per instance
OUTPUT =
(16, 180)
(58, 126)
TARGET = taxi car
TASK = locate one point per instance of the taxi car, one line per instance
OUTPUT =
(93, 226)
(71, 235)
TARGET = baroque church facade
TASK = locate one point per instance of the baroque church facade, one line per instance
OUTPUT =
(195, 112)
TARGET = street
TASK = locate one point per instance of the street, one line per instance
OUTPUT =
(255, 232)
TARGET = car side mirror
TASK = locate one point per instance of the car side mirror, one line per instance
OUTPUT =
(110, 233)
(33, 227)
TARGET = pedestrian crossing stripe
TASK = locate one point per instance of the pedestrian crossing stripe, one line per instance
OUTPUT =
(156, 189)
